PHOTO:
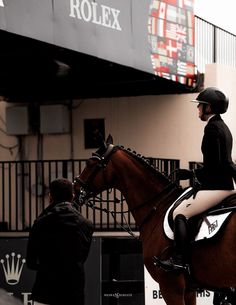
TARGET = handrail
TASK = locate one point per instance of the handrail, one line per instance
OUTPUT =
(24, 188)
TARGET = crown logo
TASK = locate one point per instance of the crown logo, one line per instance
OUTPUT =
(12, 268)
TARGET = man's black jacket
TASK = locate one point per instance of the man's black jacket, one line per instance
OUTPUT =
(58, 246)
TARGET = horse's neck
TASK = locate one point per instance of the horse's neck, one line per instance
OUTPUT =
(142, 190)
(138, 188)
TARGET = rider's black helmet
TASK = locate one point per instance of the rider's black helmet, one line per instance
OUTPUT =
(216, 98)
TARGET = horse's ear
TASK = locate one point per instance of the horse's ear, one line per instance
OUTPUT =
(109, 140)
(99, 139)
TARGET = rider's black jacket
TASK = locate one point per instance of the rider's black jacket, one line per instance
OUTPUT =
(218, 168)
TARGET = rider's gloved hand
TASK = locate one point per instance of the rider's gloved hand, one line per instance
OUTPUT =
(184, 174)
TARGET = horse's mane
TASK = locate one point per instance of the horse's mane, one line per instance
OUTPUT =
(145, 161)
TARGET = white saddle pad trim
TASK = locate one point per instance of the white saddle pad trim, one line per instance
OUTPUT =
(167, 229)
(209, 227)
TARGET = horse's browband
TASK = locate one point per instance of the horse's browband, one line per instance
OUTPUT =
(105, 157)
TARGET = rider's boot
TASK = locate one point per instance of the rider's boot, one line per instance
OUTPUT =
(178, 262)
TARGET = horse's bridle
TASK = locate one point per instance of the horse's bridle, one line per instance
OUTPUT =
(86, 190)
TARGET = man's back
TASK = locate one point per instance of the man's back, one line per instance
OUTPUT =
(59, 244)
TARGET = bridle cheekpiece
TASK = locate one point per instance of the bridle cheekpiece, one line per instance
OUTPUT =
(86, 190)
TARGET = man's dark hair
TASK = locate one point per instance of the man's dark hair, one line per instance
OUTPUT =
(61, 190)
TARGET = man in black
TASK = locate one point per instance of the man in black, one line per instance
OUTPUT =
(58, 246)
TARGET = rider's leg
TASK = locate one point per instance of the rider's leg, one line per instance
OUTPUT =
(203, 201)
(179, 259)
(180, 238)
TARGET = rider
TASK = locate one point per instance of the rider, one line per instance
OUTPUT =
(217, 176)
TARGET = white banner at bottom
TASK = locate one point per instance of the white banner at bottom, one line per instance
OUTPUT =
(153, 295)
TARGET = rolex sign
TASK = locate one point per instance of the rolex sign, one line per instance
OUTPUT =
(15, 278)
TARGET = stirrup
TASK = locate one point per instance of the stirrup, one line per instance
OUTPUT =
(171, 266)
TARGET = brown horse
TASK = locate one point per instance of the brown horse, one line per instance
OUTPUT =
(149, 194)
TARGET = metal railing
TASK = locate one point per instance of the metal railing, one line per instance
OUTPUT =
(213, 45)
(194, 165)
(24, 189)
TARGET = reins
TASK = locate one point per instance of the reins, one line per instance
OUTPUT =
(156, 198)
(90, 204)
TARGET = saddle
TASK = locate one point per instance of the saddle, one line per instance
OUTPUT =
(206, 224)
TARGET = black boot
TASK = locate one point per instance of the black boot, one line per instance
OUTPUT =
(178, 262)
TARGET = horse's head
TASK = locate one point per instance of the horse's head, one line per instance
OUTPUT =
(93, 178)
(114, 166)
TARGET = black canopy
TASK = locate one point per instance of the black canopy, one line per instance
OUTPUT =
(57, 49)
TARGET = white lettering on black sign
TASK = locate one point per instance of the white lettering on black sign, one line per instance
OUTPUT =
(90, 11)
